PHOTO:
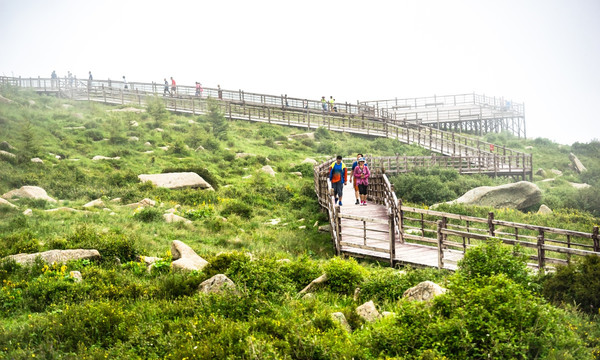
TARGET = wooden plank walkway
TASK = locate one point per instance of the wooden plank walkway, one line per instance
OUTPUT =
(377, 245)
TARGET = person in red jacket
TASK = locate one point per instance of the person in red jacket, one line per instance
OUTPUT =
(173, 87)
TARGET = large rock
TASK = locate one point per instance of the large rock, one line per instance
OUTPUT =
(185, 258)
(577, 165)
(29, 192)
(424, 291)
(176, 180)
(56, 256)
(6, 203)
(368, 312)
(518, 195)
(217, 284)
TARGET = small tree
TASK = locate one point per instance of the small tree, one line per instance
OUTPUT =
(217, 120)
(156, 108)
(29, 143)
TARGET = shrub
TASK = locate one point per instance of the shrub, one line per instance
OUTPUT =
(261, 278)
(492, 258)
(110, 245)
(237, 207)
(343, 276)
(390, 284)
(221, 262)
(148, 214)
(577, 283)
(301, 271)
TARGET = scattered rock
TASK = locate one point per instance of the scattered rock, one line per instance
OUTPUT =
(519, 195)
(76, 275)
(133, 138)
(297, 173)
(577, 165)
(185, 258)
(268, 169)
(100, 157)
(356, 294)
(387, 314)
(339, 318)
(544, 210)
(302, 227)
(75, 128)
(176, 180)
(149, 260)
(115, 200)
(217, 284)
(94, 203)
(424, 291)
(158, 130)
(246, 177)
(243, 155)
(142, 203)
(310, 135)
(67, 106)
(172, 218)
(56, 256)
(63, 208)
(309, 161)
(548, 180)
(37, 160)
(317, 224)
(147, 143)
(28, 212)
(541, 172)
(78, 116)
(529, 147)
(325, 228)
(556, 172)
(284, 261)
(148, 152)
(368, 312)
(31, 102)
(4, 202)
(133, 123)
(5, 100)
(7, 155)
(164, 148)
(200, 148)
(273, 222)
(308, 296)
(314, 284)
(580, 186)
(6, 146)
(29, 192)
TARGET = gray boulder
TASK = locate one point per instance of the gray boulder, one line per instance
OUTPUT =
(56, 256)
(29, 192)
(541, 172)
(268, 169)
(217, 284)
(424, 291)
(37, 160)
(368, 312)
(185, 258)
(176, 180)
(577, 165)
(518, 195)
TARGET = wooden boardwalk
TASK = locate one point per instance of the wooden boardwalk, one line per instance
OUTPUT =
(359, 239)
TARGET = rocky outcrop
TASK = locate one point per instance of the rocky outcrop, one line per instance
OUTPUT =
(268, 169)
(29, 192)
(424, 291)
(176, 180)
(518, 195)
(368, 312)
(217, 284)
(185, 258)
(340, 318)
(577, 165)
(6, 203)
(56, 256)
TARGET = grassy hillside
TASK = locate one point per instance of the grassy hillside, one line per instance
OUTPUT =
(122, 310)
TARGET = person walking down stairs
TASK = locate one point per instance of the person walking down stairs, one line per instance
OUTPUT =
(361, 177)
(338, 175)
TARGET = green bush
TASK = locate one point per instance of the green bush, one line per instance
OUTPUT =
(343, 276)
(493, 258)
(237, 207)
(148, 214)
(301, 271)
(221, 262)
(110, 245)
(390, 284)
(576, 283)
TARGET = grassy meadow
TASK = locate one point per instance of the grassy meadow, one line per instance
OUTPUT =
(494, 308)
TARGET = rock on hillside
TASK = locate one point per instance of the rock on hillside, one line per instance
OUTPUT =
(424, 291)
(29, 192)
(176, 180)
(53, 256)
(6, 203)
(185, 258)
(518, 195)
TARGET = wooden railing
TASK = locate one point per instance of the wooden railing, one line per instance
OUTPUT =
(471, 153)
(542, 244)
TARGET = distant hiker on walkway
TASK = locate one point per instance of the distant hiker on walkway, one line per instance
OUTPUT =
(219, 92)
(198, 89)
(353, 179)
(125, 86)
(53, 78)
(166, 88)
(338, 175)
(324, 103)
(361, 176)
(331, 102)
(90, 78)
(173, 87)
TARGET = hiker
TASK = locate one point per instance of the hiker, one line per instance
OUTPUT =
(173, 87)
(353, 179)
(338, 175)
(90, 78)
(125, 86)
(53, 78)
(219, 92)
(361, 176)
(286, 101)
(198, 89)
(331, 102)
(324, 103)
(166, 89)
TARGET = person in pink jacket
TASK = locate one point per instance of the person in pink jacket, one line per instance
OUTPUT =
(361, 175)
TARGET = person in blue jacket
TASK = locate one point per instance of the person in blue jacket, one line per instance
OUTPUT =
(338, 175)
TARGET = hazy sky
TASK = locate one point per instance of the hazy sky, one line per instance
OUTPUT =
(544, 53)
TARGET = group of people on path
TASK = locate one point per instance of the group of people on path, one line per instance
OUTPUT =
(338, 176)
(328, 105)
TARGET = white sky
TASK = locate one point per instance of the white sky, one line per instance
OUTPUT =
(545, 53)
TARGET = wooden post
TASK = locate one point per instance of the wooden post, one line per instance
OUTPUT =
(364, 232)
(541, 251)
(439, 245)
(492, 230)
(392, 239)
(103, 93)
(338, 230)
(401, 223)
(595, 238)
